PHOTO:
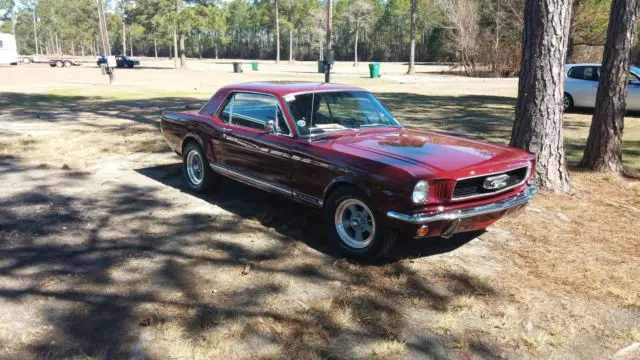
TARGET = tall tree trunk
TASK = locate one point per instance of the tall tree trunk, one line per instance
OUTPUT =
(290, 46)
(216, 51)
(275, 5)
(175, 46)
(155, 47)
(605, 135)
(73, 49)
(35, 32)
(574, 14)
(538, 124)
(130, 43)
(412, 46)
(355, 44)
(124, 38)
(57, 46)
(329, 24)
(180, 46)
(199, 47)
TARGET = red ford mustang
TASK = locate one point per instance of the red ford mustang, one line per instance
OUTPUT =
(336, 147)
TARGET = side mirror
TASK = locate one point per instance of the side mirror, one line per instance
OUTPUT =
(270, 126)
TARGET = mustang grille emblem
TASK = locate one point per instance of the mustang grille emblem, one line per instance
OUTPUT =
(496, 182)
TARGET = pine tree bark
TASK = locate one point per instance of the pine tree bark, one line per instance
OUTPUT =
(602, 152)
(412, 46)
(570, 45)
(538, 124)
(277, 32)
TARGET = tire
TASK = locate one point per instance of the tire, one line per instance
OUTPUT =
(129, 66)
(59, 63)
(26, 60)
(67, 63)
(198, 176)
(366, 236)
(567, 103)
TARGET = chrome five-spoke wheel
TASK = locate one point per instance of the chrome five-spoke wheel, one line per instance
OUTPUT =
(355, 223)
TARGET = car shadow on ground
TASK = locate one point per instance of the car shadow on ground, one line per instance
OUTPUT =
(294, 220)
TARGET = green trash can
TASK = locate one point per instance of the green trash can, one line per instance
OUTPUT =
(374, 70)
(254, 66)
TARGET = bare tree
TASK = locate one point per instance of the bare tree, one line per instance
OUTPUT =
(605, 135)
(412, 46)
(538, 124)
(463, 19)
(360, 13)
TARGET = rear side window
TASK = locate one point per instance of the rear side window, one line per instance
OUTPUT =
(253, 111)
(589, 73)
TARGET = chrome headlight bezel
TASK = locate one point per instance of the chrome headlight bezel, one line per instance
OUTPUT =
(420, 192)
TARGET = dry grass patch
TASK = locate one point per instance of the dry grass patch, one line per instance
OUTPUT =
(391, 350)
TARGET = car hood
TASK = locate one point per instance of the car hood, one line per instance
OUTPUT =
(435, 152)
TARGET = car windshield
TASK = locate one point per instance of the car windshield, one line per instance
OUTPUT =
(327, 112)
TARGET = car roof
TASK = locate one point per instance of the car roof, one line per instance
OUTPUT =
(283, 88)
(582, 64)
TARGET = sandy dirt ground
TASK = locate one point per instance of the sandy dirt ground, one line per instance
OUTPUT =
(104, 255)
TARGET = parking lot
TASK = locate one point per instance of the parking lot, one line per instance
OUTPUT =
(104, 255)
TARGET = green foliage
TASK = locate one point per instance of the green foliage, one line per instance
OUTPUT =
(245, 28)
(591, 21)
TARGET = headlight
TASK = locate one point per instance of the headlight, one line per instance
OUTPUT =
(420, 192)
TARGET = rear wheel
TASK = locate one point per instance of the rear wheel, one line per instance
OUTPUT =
(197, 173)
(353, 227)
(59, 63)
(26, 60)
(67, 63)
(567, 103)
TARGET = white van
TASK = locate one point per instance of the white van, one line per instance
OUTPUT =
(8, 49)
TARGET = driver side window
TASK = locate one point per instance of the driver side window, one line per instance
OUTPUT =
(253, 111)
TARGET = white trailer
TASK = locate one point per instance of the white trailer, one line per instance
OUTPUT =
(8, 49)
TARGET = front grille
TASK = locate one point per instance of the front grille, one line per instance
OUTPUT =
(472, 187)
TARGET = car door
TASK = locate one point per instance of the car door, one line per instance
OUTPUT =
(250, 153)
(582, 84)
(633, 93)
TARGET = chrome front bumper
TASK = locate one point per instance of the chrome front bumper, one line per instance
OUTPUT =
(448, 215)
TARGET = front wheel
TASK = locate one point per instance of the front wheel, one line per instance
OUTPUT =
(67, 63)
(197, 173)
(353, 227)
(59, 63)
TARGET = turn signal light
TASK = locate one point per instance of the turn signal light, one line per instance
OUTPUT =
(422, 231)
